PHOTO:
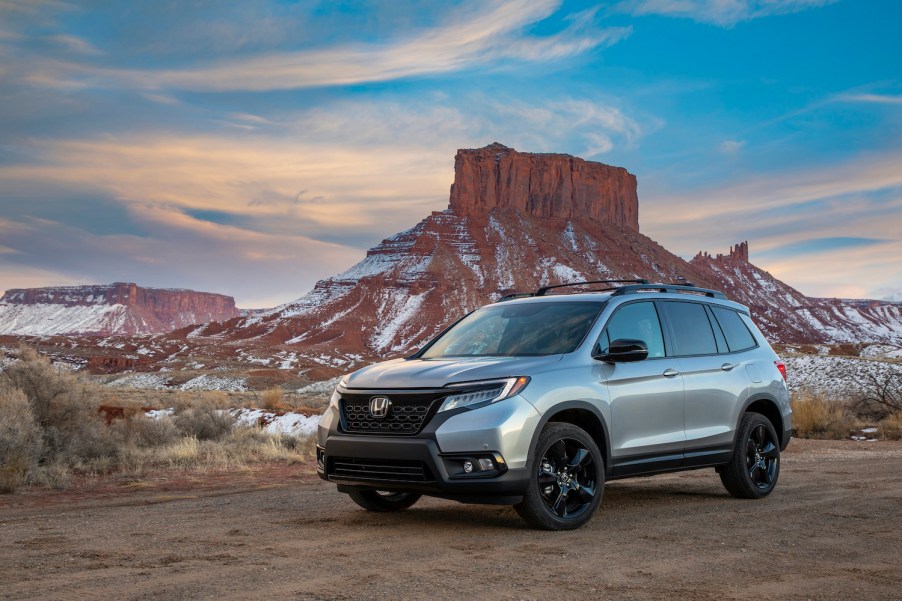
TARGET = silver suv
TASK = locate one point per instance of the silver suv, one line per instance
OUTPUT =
(535, 401)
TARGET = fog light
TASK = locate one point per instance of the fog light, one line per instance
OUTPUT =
(468, 467)
(486, 464)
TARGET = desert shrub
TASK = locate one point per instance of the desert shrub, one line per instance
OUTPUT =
(882, 396)
(272, 400)
(144, 431)
(21, 442)
(814, 416)
(891, 427)
(64, 408)
(204, 422)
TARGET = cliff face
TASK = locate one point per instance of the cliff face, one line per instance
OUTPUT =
(787, 315)
(118, 308)
(543, 185)
(499, 235)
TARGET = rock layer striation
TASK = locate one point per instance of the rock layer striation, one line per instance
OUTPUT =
(120, 308)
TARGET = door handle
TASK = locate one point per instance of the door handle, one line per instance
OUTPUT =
(671, 373)
(727, 366)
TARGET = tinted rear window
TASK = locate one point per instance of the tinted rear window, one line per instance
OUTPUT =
(738, 336)
(691, 329)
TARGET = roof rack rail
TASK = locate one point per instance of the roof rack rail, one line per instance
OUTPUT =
(672, 288)
(514, 295)
(544, 289)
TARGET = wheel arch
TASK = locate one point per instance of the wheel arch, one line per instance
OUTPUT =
(582, 415)
(766, 406)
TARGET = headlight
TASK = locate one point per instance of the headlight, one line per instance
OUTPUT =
(485, 392)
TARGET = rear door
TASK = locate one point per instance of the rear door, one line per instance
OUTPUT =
(646, 396)
(715, 380)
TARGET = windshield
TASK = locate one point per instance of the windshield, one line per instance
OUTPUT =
(517, 330)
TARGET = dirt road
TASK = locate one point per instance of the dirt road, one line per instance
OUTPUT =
(832, 529)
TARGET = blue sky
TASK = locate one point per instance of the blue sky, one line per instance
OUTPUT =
(252, 148)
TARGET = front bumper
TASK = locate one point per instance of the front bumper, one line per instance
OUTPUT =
(431, 461)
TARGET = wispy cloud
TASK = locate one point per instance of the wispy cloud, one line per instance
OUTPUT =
(731, 146)
(486, 34)
(724, 13)
(800, 223)
(73, 43)
(869, 98)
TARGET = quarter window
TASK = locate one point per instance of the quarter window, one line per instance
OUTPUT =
(636, 321)
(738, 336)
(691, 329)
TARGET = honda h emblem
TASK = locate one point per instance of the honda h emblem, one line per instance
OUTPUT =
(380, 406)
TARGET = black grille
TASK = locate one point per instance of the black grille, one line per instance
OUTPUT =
(385, 470)
(408, 414)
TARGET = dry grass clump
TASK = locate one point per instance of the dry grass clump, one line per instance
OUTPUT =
(272, 400)
(815, 416)
(891, 427)
(50, 430)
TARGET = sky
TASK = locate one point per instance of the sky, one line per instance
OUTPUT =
(253, 148)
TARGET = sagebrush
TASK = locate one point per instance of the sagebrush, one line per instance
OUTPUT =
(50, 429)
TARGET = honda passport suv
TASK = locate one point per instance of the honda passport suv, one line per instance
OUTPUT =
(537, 400)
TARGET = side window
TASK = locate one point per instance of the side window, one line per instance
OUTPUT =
(718, 333)
(691, 328)
(738, 336)
(636, 321)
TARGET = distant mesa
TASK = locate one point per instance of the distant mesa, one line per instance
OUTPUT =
(515, 221)
(111, 309)
(542, 185)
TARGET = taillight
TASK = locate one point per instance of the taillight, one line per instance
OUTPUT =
(782, 367)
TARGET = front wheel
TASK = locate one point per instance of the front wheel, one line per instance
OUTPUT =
(566, 481)
(379, 500)
(752, 472)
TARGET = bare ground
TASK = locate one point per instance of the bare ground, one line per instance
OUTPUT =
(831, 530)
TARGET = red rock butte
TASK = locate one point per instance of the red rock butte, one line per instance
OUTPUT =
(543, 185)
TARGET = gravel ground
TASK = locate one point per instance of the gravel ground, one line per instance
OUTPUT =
(831, 530)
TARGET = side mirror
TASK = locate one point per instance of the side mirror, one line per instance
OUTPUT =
(625, 350)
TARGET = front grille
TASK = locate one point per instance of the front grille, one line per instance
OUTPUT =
(408, 414)
(385, 470)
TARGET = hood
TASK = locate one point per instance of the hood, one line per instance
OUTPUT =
(435, 373)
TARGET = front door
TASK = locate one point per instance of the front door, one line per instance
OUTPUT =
(647, 398)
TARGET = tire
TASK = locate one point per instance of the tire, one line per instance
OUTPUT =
(753, 471)
(566, 481)
(382, 501)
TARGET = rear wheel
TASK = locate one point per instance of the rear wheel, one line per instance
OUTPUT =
(752, 472)
(383, 500)
(566, 481)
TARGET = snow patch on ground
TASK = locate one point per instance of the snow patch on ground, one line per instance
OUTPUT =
(887, 351)
(152, 381)
(208, 382)
(290, 424)
(322, 389)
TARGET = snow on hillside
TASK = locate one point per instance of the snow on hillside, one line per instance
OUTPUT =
(53, 319)
(835, 377)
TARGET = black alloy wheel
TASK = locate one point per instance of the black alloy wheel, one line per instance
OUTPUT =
(567, 482)
(761, 458)
(753, 471)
